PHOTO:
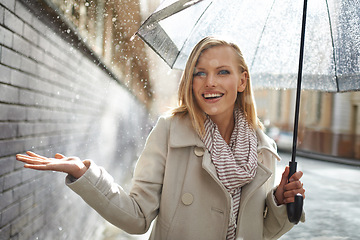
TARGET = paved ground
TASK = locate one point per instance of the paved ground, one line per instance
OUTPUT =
(332, 203)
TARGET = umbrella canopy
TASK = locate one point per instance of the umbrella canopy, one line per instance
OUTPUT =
(268, 32)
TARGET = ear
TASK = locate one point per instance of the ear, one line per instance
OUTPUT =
(242, 81)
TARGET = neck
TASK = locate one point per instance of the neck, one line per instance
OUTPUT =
(225, 126)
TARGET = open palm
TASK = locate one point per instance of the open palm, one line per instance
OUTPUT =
(71, 165)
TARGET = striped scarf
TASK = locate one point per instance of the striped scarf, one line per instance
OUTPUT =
(235, 163)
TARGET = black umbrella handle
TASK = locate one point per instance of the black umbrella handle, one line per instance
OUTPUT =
(294, 209)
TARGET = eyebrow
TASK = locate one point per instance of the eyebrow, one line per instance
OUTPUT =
(222, 66)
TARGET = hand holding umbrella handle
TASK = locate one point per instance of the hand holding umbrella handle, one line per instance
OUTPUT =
(294, 209)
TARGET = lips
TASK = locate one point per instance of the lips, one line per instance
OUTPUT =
(212, 95)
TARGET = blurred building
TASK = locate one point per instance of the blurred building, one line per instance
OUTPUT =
(329, 122)
(108, 28)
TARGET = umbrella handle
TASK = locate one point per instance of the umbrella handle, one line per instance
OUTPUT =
(294, 209)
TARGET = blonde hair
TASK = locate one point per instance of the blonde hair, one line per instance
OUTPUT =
(186, 100)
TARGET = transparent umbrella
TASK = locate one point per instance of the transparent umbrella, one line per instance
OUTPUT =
(268, 32)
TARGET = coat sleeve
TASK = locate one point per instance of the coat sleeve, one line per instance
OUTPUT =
(132, 212)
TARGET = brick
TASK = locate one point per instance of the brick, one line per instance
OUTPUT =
(34, 114)
(5, 75)
(28, 65)
(18, 224)
(30, 34)
(6, 37)
(16, 113)
(9, 94)
(7, 130)
(38, 223)
(44, 43)
(5, 232)
(2, 10)
(27, 97)
(12, 179)
(6, 165)
(12, 147)
(37, 54)
(10, 58)
(28, 175)
(43, 71)
(25, 129)
(24, 190)
(21, 45)
(10, 213)
(26, 203)
(23, 12)
(26, 232)
(6, 199)
(19, 79)
(49, 61)
(39, 26)
(8, 4)
(13, 22)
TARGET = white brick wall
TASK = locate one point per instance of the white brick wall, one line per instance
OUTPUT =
(55, 99)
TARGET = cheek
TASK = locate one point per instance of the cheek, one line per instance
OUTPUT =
(196, 87)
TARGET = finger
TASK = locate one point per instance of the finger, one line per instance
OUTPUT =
(20, 156)
(42, 167)
(291, 194)
(296, 176)
(32, 154)
(284, 176)
(293, 185)
(32, 160)
(59, 156)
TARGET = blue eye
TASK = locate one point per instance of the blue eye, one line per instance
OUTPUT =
(200, 74)
(224, 72)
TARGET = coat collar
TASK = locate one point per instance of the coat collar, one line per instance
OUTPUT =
(182, 134)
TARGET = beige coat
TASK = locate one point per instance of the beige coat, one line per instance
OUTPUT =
(176, 182)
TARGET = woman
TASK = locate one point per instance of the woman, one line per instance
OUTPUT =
(206, 170)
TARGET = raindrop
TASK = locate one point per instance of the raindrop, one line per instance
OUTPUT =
(87, 4)
(68, 30)
(113, 19)
(60, 228)
(150, 26)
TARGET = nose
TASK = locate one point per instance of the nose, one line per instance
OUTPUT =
(210, 80)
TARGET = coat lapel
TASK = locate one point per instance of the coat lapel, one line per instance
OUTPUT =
(182, 133)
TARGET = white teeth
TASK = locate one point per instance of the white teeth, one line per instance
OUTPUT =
(212, 95)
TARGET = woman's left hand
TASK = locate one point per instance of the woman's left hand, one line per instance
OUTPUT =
(286, 191)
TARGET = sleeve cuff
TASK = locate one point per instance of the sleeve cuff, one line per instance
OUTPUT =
(91, 176)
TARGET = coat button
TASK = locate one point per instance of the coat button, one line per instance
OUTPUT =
(199, 151)
(187, 199)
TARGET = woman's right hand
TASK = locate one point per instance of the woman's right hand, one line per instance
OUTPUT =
(71, 165)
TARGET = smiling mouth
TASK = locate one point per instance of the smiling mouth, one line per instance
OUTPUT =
(212, 95)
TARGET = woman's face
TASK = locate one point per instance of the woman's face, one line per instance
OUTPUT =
(217, 80)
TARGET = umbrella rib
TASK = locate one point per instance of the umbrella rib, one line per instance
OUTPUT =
(261, 35)
(333, 46)
(182, 47)
(170, 10)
